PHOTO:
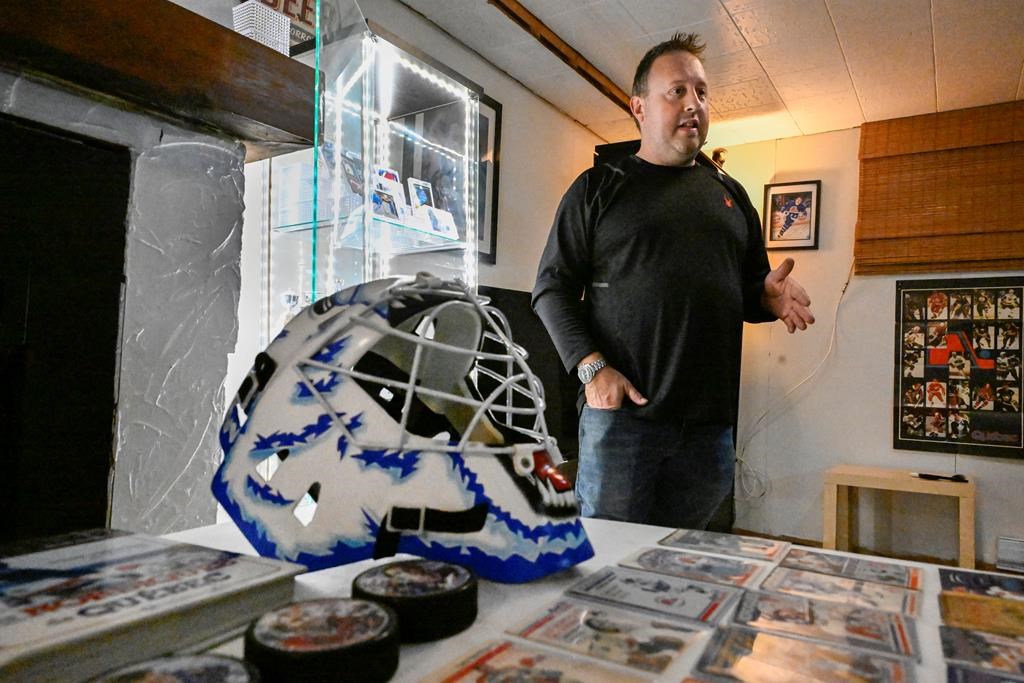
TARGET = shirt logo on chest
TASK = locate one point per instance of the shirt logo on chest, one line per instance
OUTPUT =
(727, 200)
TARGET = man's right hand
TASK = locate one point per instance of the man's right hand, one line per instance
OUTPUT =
(609, 389)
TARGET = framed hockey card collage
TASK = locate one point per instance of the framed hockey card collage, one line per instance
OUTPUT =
(958, 366)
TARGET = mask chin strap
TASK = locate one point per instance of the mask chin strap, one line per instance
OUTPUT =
(417, 520)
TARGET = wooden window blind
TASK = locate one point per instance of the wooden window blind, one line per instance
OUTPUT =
(942, 192)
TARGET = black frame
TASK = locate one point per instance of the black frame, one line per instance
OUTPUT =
(806, 186)
(487, 212)
(991, 427)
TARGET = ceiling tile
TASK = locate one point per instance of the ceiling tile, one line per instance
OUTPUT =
(576, 97)
(479, 25)
(731, 68)
(528, 58)
(762, 123)
(822, 113)
(771, 64)
(898, 80)
(657, 16)
(746, 95)
(719, 33)
(820, 80)
(971, 73)
(543, 9)
(618, 130)
(603, 33)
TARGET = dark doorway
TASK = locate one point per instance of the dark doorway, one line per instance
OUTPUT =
(62, 241)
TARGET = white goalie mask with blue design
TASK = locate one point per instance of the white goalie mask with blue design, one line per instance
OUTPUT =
(398, 416)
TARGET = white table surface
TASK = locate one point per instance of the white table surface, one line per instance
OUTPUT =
(501, 606)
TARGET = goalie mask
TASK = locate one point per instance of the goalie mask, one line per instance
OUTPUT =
(397, 416)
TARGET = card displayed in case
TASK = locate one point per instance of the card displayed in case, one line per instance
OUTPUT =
(634, 639)
(511, 661)
(830, 622)
(958, 673)
(726, 544)
(983, 650)
(683, 598)
(747, 655)
(982, 583)
(853, 568)
(696, 566)
(981, 613)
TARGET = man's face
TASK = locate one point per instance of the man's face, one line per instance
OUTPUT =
(673, 116)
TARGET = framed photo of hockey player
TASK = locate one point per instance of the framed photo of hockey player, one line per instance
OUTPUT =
(791, 215)
(958, 366)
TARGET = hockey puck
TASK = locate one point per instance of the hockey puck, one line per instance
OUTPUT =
(329, 639)
(185, 668)
(433, 599)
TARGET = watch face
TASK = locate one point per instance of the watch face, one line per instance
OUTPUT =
(586, 373)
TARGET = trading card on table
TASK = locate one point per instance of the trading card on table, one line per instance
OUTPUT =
(981, 613)
(696, 566)
(832, 622)
(726, 544)
(983, 650)
(694, 600)
(853, 568)
(509, 661)
(982, 583)
(842, 589)
(748, 655)
(634, 639)
(957, 673)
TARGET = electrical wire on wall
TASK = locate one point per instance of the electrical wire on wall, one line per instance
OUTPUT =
(751, 483)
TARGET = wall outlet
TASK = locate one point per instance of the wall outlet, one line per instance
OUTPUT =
(1010, 554)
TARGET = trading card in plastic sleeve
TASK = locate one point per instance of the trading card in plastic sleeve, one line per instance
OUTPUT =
(511, 661)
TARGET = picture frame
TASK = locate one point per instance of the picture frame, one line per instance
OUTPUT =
(489, 138)
(791, 215)
(385, 204)
(420, 193)
(957, 366)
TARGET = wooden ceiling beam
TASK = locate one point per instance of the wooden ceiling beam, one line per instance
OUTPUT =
(529, 22)
(162, 58)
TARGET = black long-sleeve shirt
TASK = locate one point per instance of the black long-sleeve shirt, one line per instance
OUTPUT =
(656, 267)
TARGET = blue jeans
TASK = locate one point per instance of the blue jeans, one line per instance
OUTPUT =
(652, 472)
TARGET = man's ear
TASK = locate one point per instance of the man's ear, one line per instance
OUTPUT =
(636, 105)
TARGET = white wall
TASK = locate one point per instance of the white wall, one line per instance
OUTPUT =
(542, 150)
(843, 414)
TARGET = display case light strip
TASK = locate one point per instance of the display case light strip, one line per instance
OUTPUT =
(403, 131)
(469, 255)
(416, 138)
(457, 90)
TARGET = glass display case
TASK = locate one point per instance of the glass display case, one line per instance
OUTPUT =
(392, 187)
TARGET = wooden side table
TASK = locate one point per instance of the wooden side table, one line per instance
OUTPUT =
(839, 479)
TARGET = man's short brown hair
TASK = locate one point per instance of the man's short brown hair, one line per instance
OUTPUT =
(679, 42)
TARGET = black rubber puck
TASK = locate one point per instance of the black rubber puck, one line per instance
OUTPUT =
(321, 640)
(433, 599)
(185, 668)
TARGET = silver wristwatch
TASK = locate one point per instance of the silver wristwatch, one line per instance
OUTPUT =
(588, 371)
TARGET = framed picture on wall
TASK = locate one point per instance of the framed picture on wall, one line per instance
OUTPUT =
(489, 138)
(958, 366)
(791, 212)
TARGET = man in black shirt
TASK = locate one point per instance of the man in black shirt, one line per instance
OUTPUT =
(652, 266)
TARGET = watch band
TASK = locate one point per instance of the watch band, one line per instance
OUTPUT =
(588, 371)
